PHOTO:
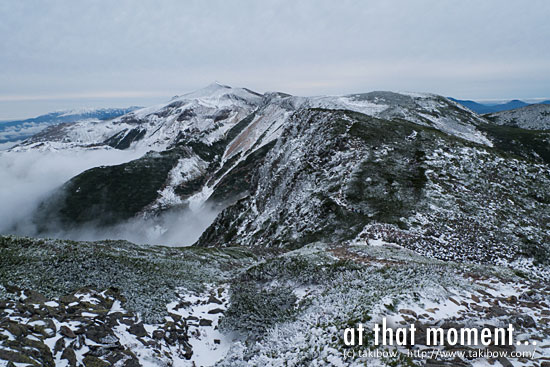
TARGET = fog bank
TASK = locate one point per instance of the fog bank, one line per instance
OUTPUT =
(27, 178)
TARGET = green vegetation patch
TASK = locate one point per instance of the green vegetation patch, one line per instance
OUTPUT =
(147, 276)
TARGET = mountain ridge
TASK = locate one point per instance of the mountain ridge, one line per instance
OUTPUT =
(12, 131)
(209, 140)
(317, 213)
(532, 117)
(487, 108)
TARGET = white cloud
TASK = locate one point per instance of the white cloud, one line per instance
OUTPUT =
(27, 178)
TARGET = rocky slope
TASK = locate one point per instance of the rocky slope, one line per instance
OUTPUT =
(14, 132)
(206, 114)
(339, 175)
(533, 117)
(112, 303)
(208, 144)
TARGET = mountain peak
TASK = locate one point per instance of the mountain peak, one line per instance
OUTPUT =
(219, 85)
(217, 90)
(215, 86)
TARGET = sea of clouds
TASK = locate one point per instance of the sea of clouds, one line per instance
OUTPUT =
(27, 178)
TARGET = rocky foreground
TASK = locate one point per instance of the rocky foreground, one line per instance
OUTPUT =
(130, 305)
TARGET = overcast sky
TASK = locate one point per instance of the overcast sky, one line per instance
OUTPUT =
(65, 54)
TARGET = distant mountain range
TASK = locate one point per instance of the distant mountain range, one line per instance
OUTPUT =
(483, 108)
(12, 132)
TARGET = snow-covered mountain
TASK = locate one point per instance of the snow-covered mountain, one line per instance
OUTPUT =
(208, 113)
(291, 169)
(533, 117)
(13, 132)
(206, 145)
(205, 114)
(329, 210)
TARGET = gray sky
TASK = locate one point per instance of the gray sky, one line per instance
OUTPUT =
(65, 54)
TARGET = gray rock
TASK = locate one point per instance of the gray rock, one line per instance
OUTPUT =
(138, 330)
(34, 297)
(91, 361)
(66, 331)
(522, 321)
(505, 362)
(70, 356)
(59, 345)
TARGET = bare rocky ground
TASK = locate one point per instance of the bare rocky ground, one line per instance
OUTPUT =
(248, 308)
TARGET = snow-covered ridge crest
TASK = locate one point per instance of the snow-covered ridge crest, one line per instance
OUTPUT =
(421, 108)
(14, 132)
(533, 117)
(216, 90)
(214, 95)
(210, 141)
(209, 113)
